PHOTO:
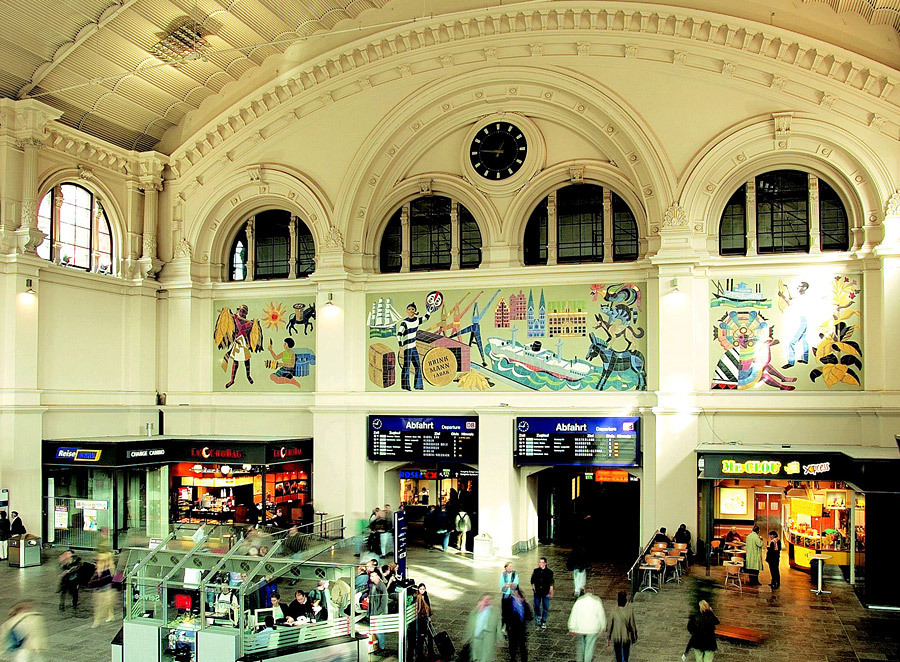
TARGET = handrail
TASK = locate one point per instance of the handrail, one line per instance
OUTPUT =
(632, 571)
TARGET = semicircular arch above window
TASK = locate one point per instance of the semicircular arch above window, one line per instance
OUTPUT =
(272, 244)
(77, 229)
(442, 234)
(784, 211)
(580, 223)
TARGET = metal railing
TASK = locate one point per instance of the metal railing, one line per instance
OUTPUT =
(634, 573)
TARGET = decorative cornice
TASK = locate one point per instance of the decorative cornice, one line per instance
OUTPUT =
(892, 206)
(703, 31)
(675, 218)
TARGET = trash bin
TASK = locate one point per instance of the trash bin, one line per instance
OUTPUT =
(24, 551)
(483, 546)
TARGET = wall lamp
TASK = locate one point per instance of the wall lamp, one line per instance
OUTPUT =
(674, 285)
(30, 287)
(330, 300)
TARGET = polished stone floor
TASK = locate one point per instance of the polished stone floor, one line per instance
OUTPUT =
(801, 627)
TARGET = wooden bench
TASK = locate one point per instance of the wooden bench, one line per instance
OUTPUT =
(743, 634)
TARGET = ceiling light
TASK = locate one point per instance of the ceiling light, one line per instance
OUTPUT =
(185, 42)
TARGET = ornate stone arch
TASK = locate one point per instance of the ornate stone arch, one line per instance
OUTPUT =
(248, 191)
(561, 96)
(477, 203)
(86, 178)
(789, 141)
(569, 172)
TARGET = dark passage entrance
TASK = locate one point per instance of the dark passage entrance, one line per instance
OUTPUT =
(604, 515)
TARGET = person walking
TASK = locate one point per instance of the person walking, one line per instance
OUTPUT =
(482, 630)
(23, 635)
(443, 524)
(578, 563)
(702, 627)
(509, 581)
(773, 559)
(5, 533)
(70, 566)
(378, 605)
(516, 623)
(586, 621)
(16, 527)
(422, 638)
(104, 594)
(622, 631)
(463, 526)
(542, 585)
(753, 562)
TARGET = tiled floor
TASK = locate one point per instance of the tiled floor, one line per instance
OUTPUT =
(801, 626)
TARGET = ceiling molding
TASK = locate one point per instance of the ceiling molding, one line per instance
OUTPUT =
(882, 12)
(810, 70)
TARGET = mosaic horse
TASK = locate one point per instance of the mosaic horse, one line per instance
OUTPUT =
(619, 363)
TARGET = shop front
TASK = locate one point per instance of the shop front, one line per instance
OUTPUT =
(430, 463)
(124, 491)
(583, 471)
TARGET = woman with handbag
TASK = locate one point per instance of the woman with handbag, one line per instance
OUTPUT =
(622, 629)
(423, 630)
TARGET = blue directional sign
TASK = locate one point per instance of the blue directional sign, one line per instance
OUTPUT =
(610, 442)
(419, 438)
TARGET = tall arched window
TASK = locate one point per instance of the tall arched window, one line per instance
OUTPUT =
(77, 229)
(443, 234)
(272, 244)
(580, 223)
(783, 211)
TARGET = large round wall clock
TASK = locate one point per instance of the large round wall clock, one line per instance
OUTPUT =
(498, 150)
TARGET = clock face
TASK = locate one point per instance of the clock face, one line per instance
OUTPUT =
(498, 151)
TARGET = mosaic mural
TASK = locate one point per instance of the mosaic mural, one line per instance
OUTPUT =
(788, 333)
(560, 338)
(264, 345)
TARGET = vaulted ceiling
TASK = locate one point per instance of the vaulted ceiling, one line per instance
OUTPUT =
(94, 59)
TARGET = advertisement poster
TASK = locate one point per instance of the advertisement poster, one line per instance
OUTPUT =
(538, 338)
(61, 518)
(90, 520)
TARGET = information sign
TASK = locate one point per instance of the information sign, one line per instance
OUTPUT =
(613, 441)
(416, 438)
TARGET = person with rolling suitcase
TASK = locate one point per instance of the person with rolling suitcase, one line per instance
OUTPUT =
(423, 635)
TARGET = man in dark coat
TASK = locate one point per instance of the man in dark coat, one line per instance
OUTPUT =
(16, 527)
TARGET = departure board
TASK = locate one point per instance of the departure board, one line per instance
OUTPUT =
(613, 441)
(418, 438)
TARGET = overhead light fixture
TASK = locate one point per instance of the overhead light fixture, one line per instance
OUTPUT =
(30, 286)
(184, 42)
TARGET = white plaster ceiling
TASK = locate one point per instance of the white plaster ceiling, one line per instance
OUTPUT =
(92, 59)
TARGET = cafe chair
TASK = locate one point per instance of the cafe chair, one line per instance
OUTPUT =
(673, 568)
(733, 576)
(715, 548)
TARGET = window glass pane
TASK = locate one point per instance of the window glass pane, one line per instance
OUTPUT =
(733, 225)
(75, 226)
(535, 239)
(45, 223)
(429, 226)
(239, 256)
(782, 219)
(306, 250)
(579, 221)
(625, 234)
(272, 244)
(832, 219)
(470, 239)
(104, 242)
(390, 259)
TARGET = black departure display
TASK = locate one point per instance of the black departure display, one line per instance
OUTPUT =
(418, 438)
(613, 441)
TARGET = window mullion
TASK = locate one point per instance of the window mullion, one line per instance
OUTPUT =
(815, 232)
(405, 239)
(750, 188)
(292, 249)
(455, 240)
(250, 262)
(607, 225)
(552, 239)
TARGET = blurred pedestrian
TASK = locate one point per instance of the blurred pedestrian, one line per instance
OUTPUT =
(23, 636)
(463, 526)
(622, 630)
(482, 630)
(753, 562)
(104, 594)
(578, 562)
(69, 568)
(517, 619)
(378, 605)
(5, 533)
(586, 622)
(773, 559)
(702, 627)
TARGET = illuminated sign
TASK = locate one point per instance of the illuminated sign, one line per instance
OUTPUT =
(145, 452)
(208, 453)
(772, 467)
(816, 469)
(417, 438)
(78, 454)
(611, 441)
(611, 476)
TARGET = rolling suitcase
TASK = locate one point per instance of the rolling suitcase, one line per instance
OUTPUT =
(444, 646)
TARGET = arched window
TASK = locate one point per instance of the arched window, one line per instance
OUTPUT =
(437, 225)
(786, 217)
(580, 223)
(272, 244)
(77, 229)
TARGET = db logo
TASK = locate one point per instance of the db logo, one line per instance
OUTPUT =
(470, 425)
(628, 426)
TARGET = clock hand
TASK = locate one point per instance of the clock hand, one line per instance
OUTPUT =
(492, 151)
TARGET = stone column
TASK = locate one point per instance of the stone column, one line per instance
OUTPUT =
(404, 239)
(455, 236)
(292, 249)
(551, 229)
(608, 255)
(29, 235)
(815, 232)
(149, 261)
